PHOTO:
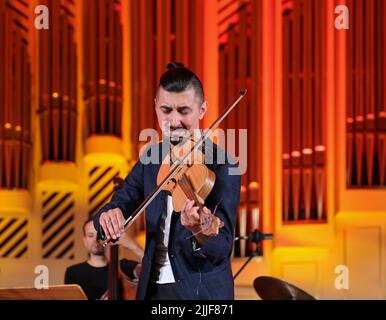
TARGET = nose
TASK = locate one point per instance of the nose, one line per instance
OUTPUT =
(175, 119)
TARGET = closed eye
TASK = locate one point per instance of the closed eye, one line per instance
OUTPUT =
(166, 109)
(184, 110)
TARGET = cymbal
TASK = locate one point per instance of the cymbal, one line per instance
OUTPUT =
(269, 288)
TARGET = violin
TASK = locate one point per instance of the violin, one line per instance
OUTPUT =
(184, 181)
(193, 181)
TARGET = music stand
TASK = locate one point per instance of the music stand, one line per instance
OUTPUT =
(58, 292)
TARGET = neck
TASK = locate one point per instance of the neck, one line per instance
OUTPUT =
(97, 261)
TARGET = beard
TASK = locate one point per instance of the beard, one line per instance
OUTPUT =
(175, 134)
(178, 136)
(97, 249)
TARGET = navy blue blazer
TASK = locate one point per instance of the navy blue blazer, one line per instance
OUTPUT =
(200, 273)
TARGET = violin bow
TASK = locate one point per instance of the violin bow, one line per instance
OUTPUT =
(176, 166)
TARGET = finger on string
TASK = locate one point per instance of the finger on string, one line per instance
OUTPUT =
(194, 234)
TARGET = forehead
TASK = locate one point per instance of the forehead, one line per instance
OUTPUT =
(187, 97)
(89, 227)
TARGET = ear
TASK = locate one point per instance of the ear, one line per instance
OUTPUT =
(203, 109)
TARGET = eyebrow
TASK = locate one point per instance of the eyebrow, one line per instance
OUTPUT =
(178, 107)
(170, 106)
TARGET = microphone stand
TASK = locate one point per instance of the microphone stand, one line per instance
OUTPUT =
(253, 254)
(255, 237)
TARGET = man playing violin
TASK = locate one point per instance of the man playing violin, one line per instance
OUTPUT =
(181, 261)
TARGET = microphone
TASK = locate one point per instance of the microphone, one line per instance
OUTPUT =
(255, 236)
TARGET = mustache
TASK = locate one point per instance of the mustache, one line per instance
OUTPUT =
(177, 128)
(179, 139)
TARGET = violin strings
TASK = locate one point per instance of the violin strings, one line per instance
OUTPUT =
(194, 234)
(188, 189)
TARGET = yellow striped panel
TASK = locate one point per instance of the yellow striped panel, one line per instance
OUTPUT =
(100, 186)
(13, 237)
(58, 216)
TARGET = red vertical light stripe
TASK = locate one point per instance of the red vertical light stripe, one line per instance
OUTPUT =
(91, 11)
(307, 123)
(102, 76)
(350, 75)
(359, 89)
(119, 77)
(178, 32)
(254, 38)
(295, 115)
(113, 19)
(185, 14)
(319, 120)
(64, 96)
(369, 89)
(135, 74)
(2, 87)
(318, 54)
(25, 118)
(167, 36)
(286, 116)
(150, 53)
(8, 99)
(17, 59)
(55, 93)
(73, 96)
(46, 62)
(381, 116)
(160, 39)
(142, 64)
(232, 62)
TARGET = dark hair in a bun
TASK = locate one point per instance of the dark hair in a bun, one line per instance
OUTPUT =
(174, 65)
(178, 78)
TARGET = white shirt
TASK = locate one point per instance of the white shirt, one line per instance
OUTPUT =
(162, 262)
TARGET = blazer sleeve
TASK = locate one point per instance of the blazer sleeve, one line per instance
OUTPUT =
(128, 268)
(127, 198)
